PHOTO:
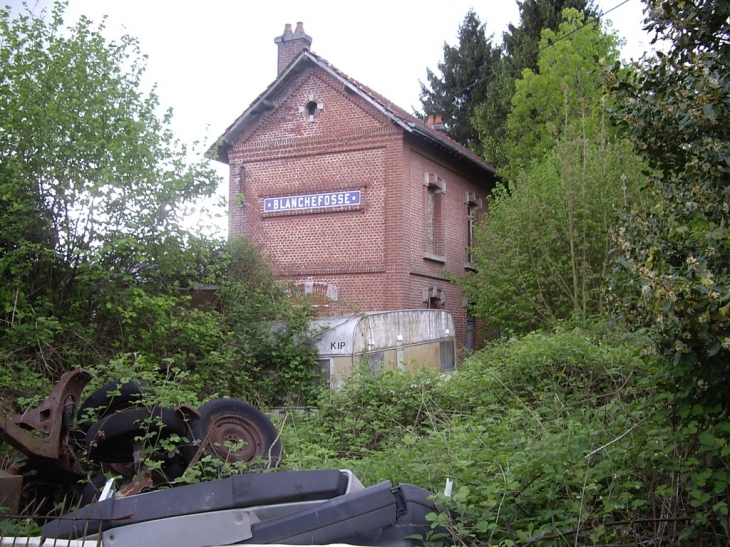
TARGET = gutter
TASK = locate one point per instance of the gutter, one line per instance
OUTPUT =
(415, 128)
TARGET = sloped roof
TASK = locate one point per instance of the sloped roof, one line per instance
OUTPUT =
(410, 123)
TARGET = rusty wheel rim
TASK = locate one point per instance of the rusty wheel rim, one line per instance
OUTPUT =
(245, 439)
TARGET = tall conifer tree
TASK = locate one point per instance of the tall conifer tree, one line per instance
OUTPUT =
(463, 80)
(522, 43)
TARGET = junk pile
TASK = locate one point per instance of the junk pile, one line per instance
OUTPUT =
(112, 428)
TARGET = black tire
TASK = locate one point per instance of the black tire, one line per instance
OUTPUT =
(111, 439)
(235, 421)
(102, 403)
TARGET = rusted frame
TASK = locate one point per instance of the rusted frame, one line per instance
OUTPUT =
(53, 418)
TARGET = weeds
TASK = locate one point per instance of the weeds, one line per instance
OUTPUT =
(551, 439)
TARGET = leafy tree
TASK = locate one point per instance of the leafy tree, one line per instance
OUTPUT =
(542, 250)
(522, 43)
(675, 108)
(94, 261)
(490, 117)
(520, 48)
(565, 90)
(463, 81)
(92, 182)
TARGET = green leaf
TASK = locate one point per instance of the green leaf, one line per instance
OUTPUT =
(707, 439)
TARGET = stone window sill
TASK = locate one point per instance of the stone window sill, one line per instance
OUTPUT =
(434, 258)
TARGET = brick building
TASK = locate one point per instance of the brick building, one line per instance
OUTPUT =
(355, 201)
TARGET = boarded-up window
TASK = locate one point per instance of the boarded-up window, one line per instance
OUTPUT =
(431, 221)
(436, 187)
(473, 205)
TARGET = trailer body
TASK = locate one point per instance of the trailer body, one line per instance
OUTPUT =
(387, 340)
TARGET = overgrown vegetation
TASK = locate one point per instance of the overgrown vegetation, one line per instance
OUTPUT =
(554, 438)
(95, 264)
(542, 254)
(675, 110)
(250, 342)
(579, 433)
(542, 248)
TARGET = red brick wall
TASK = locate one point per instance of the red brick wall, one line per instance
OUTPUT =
(319, 239)
(348, 146)
(428, 272)
(374, 252)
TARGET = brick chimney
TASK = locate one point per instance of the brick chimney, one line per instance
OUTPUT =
(438, 125)
(291, 44)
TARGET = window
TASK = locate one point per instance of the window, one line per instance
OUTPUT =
(325, 373)
(446, 352)
(470, 326)
(431, 221)
(436, 188)
(434, 297)
(376, 361)
(473, 205)
(470, 221)
(311, 109)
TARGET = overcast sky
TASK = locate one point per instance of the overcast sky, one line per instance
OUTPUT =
(210, 59)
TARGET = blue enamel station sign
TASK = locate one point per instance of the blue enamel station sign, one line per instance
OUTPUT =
(312, 201)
